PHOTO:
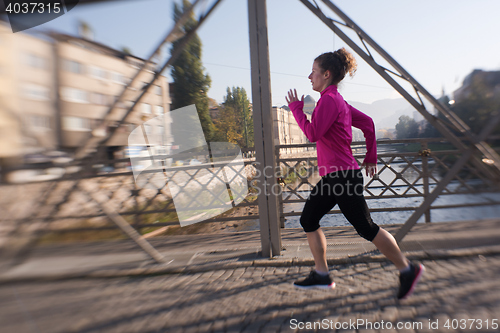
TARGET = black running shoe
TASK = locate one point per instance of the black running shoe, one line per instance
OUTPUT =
(409, 280)
(314, 280)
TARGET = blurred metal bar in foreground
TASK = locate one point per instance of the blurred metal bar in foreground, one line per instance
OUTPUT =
(174, 34)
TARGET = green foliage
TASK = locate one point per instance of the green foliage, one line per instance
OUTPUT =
(114, 233)
(292, 174)
(227, 129)
(478, 107)
(126, 50)
(406, 128)
(433, 146)
(430, 132)
(481, 102)
(191, 84)
(235, 121)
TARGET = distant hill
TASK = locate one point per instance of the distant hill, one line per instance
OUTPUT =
(386, 112)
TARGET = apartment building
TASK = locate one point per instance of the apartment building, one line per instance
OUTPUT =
(286, 130)
(55, 89)
(26, 94)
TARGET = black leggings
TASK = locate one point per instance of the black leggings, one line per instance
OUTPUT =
(344, 188)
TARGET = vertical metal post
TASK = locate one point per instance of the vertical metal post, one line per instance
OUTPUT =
(135, 193)
(57, 98)
(263, 129)
(424, 153)
(281, 183)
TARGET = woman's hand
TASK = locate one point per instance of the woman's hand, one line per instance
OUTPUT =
(293, 97)
(371, 169)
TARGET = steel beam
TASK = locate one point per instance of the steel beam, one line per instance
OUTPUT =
(450, 115)
(125, 227)
(263, 129)
(419, 106)
(83, 153)
(174, 34)
(477, 142)
(445, 181)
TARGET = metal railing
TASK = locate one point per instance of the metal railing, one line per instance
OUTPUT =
(134, 203)
(407, 169)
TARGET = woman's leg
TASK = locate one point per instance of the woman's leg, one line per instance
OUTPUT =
(388, 246)
(319, 202)
(353, 205)
(317, 244)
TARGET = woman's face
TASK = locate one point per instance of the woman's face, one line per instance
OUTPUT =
(319, 79)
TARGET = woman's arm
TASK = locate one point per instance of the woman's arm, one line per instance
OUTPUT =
(366, 125)
(322, 119)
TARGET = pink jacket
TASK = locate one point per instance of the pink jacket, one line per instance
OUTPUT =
(330, 128)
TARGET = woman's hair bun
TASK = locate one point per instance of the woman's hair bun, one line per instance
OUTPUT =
(339, 63)
(347, 60)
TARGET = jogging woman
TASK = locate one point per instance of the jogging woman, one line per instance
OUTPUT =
(342, 179)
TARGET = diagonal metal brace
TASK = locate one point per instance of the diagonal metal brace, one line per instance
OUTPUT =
(403, 231)
(492, 173)
(455, 121)
(89, 147)
(101, 200)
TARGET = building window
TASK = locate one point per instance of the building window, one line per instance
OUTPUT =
(128, 104)
(75, 123)
(73, 66)
(146, 108)
(124, 104)
(118, 78)
(120, 105)
(36, 92)
(158, 90)
(99, 99)
(148, 129)
(74, 95)
(134, 64)
(35, 61)
(98, 72)
(160, 129)
(38, 122)
(158, 110)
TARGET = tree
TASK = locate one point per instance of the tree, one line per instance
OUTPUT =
(478, 101)
(478, 107)
(406, 128)
(191, 84)
(227, 129)
(235, 122)
(126, 50)
(430, 131)
(85, 30)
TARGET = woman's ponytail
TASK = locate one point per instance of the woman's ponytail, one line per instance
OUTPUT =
(339, 63)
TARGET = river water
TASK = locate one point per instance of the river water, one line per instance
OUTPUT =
(437, 215)
(399, 186)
